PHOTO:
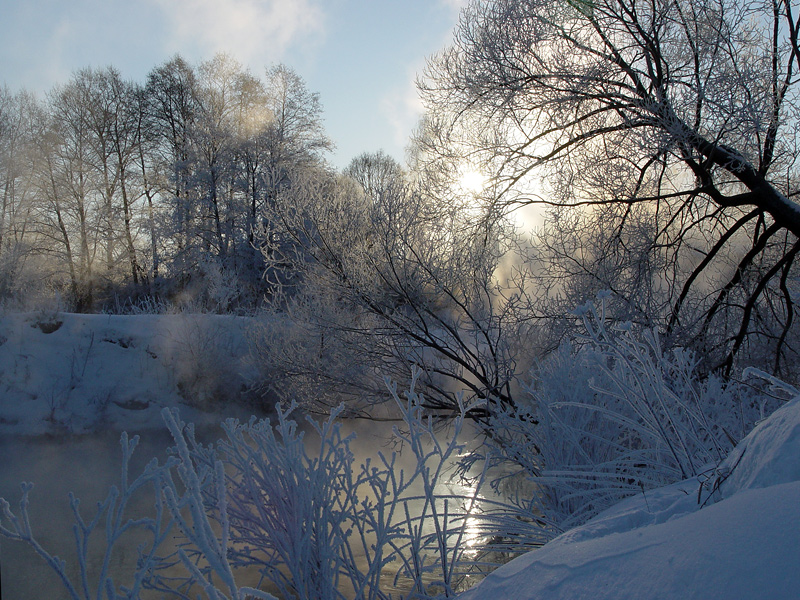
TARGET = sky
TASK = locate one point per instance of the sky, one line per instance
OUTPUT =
(361, 56)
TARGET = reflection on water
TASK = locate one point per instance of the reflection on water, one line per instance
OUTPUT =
(88, 465)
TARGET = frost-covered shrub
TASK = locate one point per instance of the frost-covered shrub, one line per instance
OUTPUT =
(613, 414)
(108, 525)
(296, 508)
(142, 304)
(318, 525)
(307, 354)
(198, 507)
(26, 279)
(47, 314)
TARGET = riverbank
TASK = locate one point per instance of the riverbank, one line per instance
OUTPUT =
(72, 374)
(69, 384)
(682, 542)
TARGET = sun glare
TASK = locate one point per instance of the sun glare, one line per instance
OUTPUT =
(472, 182)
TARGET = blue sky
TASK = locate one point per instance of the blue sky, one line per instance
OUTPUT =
(362, 56)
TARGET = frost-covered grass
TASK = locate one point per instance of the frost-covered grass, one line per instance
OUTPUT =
(615, 416)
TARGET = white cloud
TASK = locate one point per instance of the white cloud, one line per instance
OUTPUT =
(456, 5)
(248, 29)
(403, 108)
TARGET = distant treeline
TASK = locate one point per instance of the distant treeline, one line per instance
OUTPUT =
(114, 189)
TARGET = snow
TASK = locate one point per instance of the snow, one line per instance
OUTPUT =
(743, 542)
(100, 372)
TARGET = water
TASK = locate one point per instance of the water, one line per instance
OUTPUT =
(87, 465)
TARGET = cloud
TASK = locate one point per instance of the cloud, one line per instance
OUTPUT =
(455, 5)
(402, 109)
(250, 30)
(402, 106)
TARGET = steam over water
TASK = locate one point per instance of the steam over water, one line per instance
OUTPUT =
(88, 465)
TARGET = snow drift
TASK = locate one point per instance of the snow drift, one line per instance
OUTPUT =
(733, 533)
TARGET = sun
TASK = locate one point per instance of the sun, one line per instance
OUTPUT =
(471, 181)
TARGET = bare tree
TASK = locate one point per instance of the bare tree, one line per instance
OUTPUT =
(386, 285)
(112, 122)
(86, 186)
(295, 139)
(297, 134)
(71, 209)
(171, 103)
(377, 173)
(125, 140)
(672, 125)
(17, 129)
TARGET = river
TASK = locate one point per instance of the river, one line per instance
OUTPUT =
(87, 465)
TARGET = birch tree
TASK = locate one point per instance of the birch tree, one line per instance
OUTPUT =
(17, 115)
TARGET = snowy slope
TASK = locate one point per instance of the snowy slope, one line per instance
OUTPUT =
(742, 543)
(117, 372)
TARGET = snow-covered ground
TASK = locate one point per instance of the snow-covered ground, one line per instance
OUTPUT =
(93, 372)
(101, 372)
(742, 543)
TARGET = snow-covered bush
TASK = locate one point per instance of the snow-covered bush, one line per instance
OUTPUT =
(47, 314)
(318, 525)
(205, 554)
(293, 508)
(613, 414)
(299, 356)
(108, 525)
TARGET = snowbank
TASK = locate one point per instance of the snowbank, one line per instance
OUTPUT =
(69, 373)
(744, 542)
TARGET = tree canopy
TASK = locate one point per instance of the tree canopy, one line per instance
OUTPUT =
(671, 124)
